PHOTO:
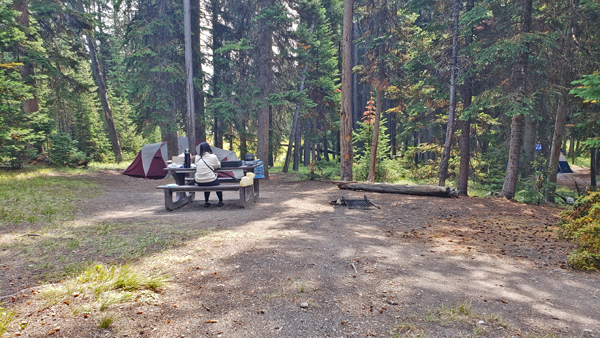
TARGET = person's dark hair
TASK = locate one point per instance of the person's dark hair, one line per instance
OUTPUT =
(204, 148)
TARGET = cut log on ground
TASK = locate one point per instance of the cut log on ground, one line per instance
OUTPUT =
(420, 190)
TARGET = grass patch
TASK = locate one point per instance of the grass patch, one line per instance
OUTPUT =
(106, 321)
(104, 286)
(445, 314)
(40, 195)
(6, 317)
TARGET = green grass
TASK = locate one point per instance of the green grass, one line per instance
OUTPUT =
(6, 317)
(104, 286)
(445, 314)
(106, 321)
(40, 195)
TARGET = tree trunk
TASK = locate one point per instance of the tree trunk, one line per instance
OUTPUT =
(189, 83)
(512, 168)
(465, 125)
(347, 151)
(355, 108)
(296, 118)
(307, 142)
(593, 167)
(559, 130)
(420, 190)
(529, 133)
(571, 145)
(112, 131)
(264, 78)
(325, 147)
(514, 152)
(297, 141)
(217, 42)
(543, 129)
(375, 140)
(243, 141)
(443, 174)
(27, 71)
(198, 73)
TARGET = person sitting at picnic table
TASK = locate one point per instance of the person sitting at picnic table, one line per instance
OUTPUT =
(206, 163)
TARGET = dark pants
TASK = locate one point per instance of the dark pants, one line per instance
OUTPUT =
(207, 193)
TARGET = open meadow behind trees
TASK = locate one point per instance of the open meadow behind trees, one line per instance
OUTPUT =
(95, 254)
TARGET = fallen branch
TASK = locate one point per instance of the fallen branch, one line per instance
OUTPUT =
(420, 190)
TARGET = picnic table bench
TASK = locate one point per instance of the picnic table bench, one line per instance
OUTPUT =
(183, 192)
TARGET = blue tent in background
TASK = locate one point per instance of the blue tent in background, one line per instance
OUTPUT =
(563, 165)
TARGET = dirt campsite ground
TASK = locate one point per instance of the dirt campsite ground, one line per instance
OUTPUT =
(293, 265)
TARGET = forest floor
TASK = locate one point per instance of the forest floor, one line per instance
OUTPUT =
(578, 180)
(292, 265)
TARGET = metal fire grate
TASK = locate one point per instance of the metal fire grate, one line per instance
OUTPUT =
(355, 204)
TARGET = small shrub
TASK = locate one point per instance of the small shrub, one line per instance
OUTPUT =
(106, 321)
(582, 225)
(64, 151)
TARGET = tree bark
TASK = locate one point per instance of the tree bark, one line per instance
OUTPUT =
(297, 141)
(465, 125)
(543, 129)
(355, 109)
(189, 83)
(529, 133)
(198, 73)
(346, 151)
(559, 130)
(102, 92)
(593, 167)
(420, 190)
(307, 142)
(27, 71)
(375, 140)
(512, 169)
(217, 42)
(443, 174)
(264, 78)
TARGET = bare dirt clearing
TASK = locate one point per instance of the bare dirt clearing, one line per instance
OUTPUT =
(294, 266)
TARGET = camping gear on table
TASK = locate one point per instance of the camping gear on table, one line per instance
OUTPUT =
(249, 157)
(260, 170)
(187, 160)
(151, 161)
(230, 164)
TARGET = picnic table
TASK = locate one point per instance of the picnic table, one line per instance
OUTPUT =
(183, 191)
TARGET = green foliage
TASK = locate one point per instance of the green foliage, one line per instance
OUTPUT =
(588, 89)
(6, 317)
(582, 225)
(17, 130)
(364, 136)
(64, 151)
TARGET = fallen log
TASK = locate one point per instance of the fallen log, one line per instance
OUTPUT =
(420, 190)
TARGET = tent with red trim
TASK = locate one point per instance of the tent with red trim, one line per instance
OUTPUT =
(152, 160)
(149, 162)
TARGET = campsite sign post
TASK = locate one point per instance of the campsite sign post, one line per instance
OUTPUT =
(189, 72)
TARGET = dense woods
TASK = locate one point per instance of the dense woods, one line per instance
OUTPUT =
(454, 92)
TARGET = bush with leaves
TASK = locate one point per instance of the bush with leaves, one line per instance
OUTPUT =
(582, 225)
(64, 151)
(364, 136)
